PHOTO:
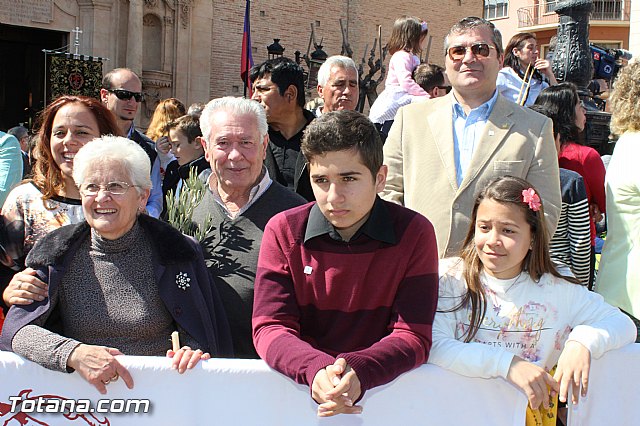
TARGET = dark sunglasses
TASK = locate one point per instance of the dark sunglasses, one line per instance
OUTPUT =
(456, 53)
(125, 95)
(447, 88)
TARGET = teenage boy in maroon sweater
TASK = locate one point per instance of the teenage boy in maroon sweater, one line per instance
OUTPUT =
(346, 288)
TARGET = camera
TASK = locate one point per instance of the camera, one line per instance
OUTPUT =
(606, 62)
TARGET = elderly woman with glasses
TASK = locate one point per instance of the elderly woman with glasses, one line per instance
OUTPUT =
(119, 283)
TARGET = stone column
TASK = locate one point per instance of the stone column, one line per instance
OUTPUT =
(97, 37)
(572, 60)
(134, 36)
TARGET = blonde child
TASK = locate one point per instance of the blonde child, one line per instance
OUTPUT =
(505, 311)
(406, 42)
(166, 111)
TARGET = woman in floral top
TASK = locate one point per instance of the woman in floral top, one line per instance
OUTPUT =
(51, 199)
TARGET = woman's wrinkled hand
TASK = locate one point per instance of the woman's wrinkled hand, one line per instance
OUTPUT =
(98, 366)
(186, 358)
(25, 288)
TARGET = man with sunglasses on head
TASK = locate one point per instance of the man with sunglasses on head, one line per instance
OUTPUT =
(442, 152)
(122, 94)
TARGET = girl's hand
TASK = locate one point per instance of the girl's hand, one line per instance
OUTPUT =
(573, 367)
(533, 381)
(186, 358)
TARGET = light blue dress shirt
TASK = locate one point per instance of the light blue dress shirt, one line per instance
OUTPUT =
(509, 83)
(467, 130)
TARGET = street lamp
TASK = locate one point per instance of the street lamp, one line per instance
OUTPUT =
(318, 57)
(275, 49)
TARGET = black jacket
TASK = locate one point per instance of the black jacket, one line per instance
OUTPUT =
(197, 309)
(175, 172)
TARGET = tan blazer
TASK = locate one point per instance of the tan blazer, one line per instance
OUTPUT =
(422, 175)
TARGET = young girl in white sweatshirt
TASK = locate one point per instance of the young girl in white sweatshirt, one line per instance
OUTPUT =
(505, 311)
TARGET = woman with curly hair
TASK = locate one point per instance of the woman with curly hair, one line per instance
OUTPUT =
(51, 198)
(619, 272)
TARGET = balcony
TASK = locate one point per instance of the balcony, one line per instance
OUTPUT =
(542, 13)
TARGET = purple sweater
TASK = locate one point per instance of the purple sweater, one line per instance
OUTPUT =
(369, 301)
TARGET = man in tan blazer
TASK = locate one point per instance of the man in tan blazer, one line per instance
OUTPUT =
(442, 152)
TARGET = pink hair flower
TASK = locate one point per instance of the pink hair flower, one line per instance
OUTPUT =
(530, 197)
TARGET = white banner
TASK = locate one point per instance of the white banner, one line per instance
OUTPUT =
(247, 392)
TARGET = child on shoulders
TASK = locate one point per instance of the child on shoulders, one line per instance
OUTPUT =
(407, 39)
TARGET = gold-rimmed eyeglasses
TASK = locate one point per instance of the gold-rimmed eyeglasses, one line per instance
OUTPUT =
(456, 53)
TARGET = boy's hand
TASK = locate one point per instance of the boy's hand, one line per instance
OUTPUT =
(573, 367)
(533, 381)
(163, 145)
(335, 388)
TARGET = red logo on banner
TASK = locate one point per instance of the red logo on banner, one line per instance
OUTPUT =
(76, 80)
(24, 419)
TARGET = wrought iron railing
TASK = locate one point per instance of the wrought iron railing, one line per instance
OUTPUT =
(543, 12)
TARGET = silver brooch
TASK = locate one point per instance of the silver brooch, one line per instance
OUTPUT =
(183, 280)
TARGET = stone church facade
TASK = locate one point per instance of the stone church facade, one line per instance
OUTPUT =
(190, 49)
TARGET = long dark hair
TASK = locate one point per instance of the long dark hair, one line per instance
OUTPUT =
(560, 101)
(46, 173)
(518, 42)
(406, 34)
(504, 190)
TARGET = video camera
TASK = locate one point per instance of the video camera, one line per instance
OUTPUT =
(605, 61)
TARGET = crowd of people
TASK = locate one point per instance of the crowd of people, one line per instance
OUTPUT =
(451, 226)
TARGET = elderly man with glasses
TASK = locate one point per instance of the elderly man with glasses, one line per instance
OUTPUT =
(122, 93)
(442, 152)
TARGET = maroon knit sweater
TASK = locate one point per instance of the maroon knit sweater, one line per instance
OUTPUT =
(367, 301)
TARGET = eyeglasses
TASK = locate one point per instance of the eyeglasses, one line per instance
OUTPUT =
(125, 95)
(456, 53)
(447, 88)
(113, 188)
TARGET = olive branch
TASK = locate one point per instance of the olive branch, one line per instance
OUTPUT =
(180, 209)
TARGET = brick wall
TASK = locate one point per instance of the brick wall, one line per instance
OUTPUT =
(291, 20)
